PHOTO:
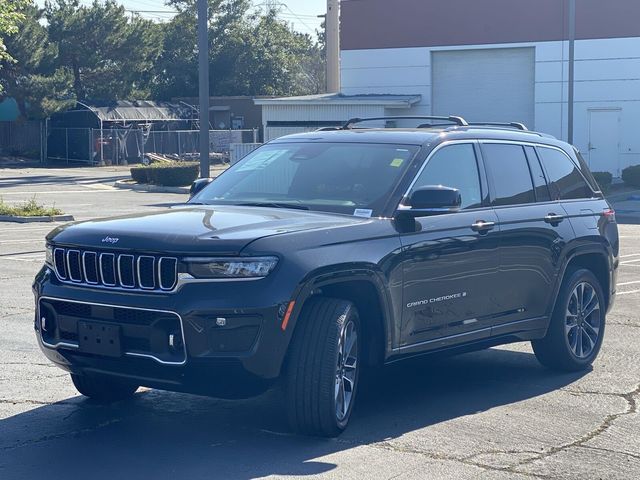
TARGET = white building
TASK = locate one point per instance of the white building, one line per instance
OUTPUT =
(488, 60)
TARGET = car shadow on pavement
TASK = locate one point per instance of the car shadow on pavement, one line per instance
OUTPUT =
(167, 435)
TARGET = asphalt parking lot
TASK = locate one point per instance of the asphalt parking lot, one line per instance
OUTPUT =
(491, 414)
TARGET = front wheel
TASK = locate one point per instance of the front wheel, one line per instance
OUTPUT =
(324, 368)
(577, 325)
(103, 389)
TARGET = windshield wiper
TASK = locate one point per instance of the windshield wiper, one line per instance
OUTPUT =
(294, 206)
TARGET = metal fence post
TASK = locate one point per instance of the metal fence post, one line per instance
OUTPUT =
(101, 145)
(179, 146)
(66, 144)
(255, 135)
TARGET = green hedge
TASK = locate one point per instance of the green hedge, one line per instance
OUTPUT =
(631, 176)
(604, 180)
(171, 174)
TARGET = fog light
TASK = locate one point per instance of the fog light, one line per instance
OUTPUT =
(221, 322)
(43, 324)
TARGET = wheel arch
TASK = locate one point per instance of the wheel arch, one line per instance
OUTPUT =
(363, 285)
(593, 258)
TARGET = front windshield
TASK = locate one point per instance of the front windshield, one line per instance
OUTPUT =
(349, 178)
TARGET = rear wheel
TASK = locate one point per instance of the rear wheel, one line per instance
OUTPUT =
(324, 369)
(576, 330)
(103, 389)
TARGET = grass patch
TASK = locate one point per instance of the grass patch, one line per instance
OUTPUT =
(30, 208)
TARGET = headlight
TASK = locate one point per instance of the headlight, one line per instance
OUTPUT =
(48, 259)
(249, 267)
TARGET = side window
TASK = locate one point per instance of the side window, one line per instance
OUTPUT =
(508, 169)
(539, 179)
(565, 179)
(454, 166)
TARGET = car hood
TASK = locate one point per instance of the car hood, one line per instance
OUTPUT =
(219, 230)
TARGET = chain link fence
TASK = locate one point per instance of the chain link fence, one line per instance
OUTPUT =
(121, 146)
(24, 139)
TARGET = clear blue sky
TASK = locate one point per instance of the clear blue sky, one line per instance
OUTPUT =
(301, 13)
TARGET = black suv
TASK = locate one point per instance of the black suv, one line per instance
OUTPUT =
(324, 253)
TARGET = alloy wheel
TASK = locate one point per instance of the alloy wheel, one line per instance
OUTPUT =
(583, 320)
(346, 369)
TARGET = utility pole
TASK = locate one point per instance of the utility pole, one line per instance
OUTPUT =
(203, 76)
(572, 61)
(332, 29)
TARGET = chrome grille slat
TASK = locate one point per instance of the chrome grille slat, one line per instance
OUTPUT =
(60, 263)
(127, 279)
(144, 262)
(115, 271)
(74, 268)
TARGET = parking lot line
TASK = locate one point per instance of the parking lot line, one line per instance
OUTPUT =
(629, 292)
(627, 283)
(630, 255)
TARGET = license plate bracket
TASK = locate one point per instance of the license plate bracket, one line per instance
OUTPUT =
(99, 338)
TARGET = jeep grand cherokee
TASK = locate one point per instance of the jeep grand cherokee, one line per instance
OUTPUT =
(323, 253)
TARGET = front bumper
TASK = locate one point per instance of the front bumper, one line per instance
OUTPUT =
(225, 340)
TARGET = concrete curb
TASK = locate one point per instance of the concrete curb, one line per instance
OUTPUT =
(138, 187)
(52, 218)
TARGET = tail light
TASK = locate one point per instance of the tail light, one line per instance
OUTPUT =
(609, 214)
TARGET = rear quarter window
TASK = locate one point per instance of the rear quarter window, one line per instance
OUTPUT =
(566, 182)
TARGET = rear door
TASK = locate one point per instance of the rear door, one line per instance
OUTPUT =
(569, 186)
(449, 261)
(533, 232)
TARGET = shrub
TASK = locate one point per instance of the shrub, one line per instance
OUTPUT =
(631, 176)
(604, 180)
(30, 208)
(170, 174)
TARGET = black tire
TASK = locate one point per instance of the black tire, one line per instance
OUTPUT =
(314, 372)
(103, 389)
(556, 350)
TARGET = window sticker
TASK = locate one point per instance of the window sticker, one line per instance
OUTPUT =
(396, 162)
(363, 212)
(260, 160)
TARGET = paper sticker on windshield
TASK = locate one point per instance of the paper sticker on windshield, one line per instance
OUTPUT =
(260, 160)
(396, 162)
(363, 212)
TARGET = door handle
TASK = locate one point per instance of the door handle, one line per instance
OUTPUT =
(482, 226)
(552, 218)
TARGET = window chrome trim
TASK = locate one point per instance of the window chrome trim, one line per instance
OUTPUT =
(133, 271)
(131, 354)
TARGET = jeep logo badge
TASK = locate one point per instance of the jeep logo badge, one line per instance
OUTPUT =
(110, 240)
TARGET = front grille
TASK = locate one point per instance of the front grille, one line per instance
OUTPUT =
(111, 270)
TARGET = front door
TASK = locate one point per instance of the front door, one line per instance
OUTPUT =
(449, 261)
(604, 141)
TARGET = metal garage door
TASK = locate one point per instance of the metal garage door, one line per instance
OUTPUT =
(485, 85)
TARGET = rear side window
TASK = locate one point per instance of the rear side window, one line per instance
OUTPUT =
(539, 179)
(565, 180)
(509, 172)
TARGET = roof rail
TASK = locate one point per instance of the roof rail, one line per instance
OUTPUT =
(459, 121)
(516, 125)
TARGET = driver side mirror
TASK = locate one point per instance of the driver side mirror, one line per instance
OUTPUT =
(198, 185)
(431, 200)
